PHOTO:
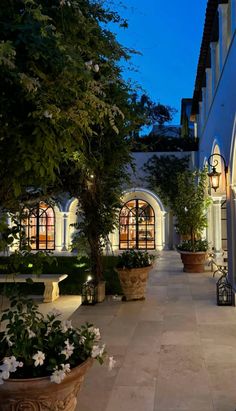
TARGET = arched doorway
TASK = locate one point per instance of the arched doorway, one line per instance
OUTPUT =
(39, 227)
(137, 225)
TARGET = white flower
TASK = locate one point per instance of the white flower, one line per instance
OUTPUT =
(185, 209)
(82, 339)
(111, 364)
(9, 364)
(96, 68)
(54, 312)
(89, 64)
(49, 328)
(65, 326)
(57, 376)
(97, 351)
(69, 348)
(96, 332)
(47, 114)
(31, 333)
(65, 367)
(39, 358)
(21, 364)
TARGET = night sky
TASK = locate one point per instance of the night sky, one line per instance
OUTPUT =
(168, 34)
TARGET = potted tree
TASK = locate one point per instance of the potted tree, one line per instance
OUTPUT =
(190, 205)
(133, 268)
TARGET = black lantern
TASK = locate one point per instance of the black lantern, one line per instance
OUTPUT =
(224, 291)
(215, 175)
(89, 292)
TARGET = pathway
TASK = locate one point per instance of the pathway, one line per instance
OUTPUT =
(175, 351)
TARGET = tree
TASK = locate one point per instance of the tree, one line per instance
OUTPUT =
(162, 173)
(190, 204)
(57, 58)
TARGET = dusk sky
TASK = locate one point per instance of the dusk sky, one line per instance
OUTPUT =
(168, 34)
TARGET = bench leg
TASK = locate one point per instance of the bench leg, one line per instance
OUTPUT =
(51, 292)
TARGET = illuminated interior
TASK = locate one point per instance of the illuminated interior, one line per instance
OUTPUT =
(137, 226)
(39, 226)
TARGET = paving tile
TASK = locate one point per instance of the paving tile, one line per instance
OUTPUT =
(131, 399)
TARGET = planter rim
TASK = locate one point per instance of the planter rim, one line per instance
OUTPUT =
(191, 252)
(20, 380)
(133, 268)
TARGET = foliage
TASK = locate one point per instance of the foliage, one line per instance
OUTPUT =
(198, 245)
(161, 176)
(191, 204)
(34, 346)
(58, 60)
(135, 259)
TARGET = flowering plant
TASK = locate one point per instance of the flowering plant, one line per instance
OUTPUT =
(135, 259)
(36, 346)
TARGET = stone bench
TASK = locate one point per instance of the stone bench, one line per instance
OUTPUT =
(51, 287)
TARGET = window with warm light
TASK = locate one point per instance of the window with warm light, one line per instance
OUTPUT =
(39, 227)
(137, 226)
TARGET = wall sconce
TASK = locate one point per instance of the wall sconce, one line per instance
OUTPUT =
(215, 175)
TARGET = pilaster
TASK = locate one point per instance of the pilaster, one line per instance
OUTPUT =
(217, 234)
(214, 62)
(223, 33)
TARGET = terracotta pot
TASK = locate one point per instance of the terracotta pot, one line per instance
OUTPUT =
(40, 394)
(193, 262)
(133, 282)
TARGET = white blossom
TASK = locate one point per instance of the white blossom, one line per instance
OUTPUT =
(30, 333)
(65, 326)
(54, 312)
(66, 367)
(82, 339)
(68, 350)
(89, 64)
(57, 376)
(47, 114)
(9, 364)
(39, 358)
(111, 364)
(97, 351)
(185, 209)
(96, 68)
(96, 332)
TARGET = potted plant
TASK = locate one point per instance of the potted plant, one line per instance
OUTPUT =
(43, 360)
(190, 206)
(133, 268)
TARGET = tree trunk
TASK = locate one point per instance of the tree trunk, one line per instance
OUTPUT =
(96, 259)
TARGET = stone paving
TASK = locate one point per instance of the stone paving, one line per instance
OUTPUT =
(175, 351)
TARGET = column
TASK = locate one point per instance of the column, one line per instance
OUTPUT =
(65, 233)
(217, 235)
(213, 46)
(164, 224)
(58, 231)
(209, 229)
(208, 89)
(200, 120)
(203, 106)
(223, 33)
(232, 238)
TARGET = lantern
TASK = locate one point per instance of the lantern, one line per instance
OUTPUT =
(89, 292)
(214, 179)
(224, 291)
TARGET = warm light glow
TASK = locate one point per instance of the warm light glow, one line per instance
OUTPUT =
(89, 278)
(214, 179)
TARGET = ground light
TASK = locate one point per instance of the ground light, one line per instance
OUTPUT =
(89, 292)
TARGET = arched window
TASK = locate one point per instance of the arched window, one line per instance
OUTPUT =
(137, 226)
(39, 226)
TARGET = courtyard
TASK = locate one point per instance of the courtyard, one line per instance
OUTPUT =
(175, 351)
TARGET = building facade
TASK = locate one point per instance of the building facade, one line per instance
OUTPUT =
(214, 114)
